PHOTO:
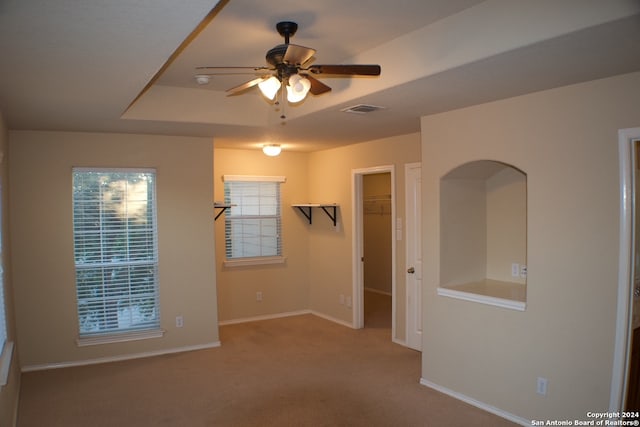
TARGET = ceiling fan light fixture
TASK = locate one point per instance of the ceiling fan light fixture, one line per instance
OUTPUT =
(297, 88)
(269, 87)
(271, 150)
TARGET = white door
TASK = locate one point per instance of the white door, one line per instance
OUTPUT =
(414, 255)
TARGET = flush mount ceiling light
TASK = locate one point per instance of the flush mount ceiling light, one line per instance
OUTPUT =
(271, 150)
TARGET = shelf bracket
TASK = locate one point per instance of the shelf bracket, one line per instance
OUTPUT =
(222, 208)
(333, 217)
(305, 213)
(329, 209)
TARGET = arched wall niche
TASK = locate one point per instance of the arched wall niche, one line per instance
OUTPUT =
(483, 233)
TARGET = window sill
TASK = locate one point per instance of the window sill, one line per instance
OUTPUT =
(491, 292)
(243, 262)
(5, 363)
(123, 337)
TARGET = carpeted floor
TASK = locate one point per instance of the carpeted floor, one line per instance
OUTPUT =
(295, 371)
(377, 310)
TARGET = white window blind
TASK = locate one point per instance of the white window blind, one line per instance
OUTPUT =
(115, 250)
(253, 223)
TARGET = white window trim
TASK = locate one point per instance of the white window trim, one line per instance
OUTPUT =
(243, 262)
(253, 178)
(89, 340)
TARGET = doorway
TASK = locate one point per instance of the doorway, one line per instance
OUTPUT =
(624, 386)
(373, 193)
(376, 241)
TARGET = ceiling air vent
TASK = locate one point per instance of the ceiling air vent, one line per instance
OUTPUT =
(362, 109)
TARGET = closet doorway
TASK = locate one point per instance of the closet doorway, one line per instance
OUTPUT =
(377, 226)
(374, 287)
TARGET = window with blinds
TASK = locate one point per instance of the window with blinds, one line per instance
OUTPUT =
(115, 250)
(253, 223)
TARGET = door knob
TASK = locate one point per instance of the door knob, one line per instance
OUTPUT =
(411, 270)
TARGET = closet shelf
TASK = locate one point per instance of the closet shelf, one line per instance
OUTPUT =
(306, 209)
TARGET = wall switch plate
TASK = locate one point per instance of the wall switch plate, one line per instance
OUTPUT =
(515, 270)
(541, 386)
(258, 296)
(179, 322)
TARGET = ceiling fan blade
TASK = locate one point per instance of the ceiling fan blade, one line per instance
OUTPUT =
(350, 70)
(317, 87)
(234, 68)
(298, 55)
(244, 86)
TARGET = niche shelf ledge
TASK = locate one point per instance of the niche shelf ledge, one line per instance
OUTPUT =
(329, 208)
(491, 292)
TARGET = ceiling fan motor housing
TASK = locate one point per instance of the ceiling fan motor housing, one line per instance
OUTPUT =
(275, 57)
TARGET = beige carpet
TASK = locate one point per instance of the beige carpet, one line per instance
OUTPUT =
(295, 371)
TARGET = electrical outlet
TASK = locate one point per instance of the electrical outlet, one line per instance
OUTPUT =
(179, 322)
(515, 270)
(258, 296)
(541, 386)
(523, 271)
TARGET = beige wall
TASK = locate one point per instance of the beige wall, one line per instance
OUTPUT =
(284, 287)
(42, 239)
(506, 224)
(330, 181)
(565, 140)
(9, 392)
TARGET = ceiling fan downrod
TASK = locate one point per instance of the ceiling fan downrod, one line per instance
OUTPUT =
(286, 29)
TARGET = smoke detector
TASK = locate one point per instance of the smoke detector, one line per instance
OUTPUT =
(201, 79)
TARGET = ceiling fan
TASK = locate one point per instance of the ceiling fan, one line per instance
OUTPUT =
(289, 67)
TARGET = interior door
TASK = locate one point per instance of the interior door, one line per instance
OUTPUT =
(413, 229)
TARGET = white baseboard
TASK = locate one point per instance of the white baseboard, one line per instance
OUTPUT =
(285, 314)
(471, 401)
(399, 342)
(332, 319)
(42, 367)
(264, 317)
(46, 366)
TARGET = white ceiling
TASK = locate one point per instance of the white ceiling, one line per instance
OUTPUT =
(129, 66)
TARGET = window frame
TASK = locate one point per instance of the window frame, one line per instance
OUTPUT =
(255, 260)
(151, 330)
(6, 346)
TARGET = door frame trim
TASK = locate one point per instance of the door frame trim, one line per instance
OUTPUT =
(622, 346)
(407, 167)
(357, 202)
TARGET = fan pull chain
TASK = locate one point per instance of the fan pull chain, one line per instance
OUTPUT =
(283, 116)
